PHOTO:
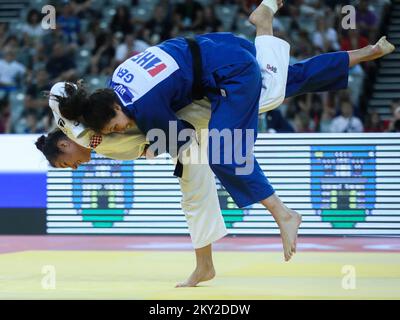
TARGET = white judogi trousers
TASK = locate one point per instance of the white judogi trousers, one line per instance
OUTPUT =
(200, 202)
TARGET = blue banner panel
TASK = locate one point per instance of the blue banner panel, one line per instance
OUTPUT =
(23, 190)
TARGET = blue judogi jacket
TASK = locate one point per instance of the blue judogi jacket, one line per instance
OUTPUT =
(153, 85)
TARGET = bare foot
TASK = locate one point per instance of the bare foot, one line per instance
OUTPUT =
(260, 15)
(199, 275)
(289, 228)
(262, 12)
(382, 48)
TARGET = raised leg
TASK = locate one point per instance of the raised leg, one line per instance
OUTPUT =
(330, 71)
(262, 17)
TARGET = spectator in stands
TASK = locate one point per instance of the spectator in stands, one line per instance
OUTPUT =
(34, 98)
(395, 119)
(82, 9)
(16, 46)
(38, 49)
(5, 115)
(303, 45)
(325, 38)
(300, 112)
(48, 122)
(317, 108)
(247, 6)
(346, 96)
(276, 123)
(310, 8)
(32, 123)
(11, 71)
(61, 65)
(347, 122)
(188, 14)
(39, 58)
(352, 40)
(92, 32)
(129, 48)
(326, 119)
(26, 50)
(33, 27)
(336, 3)
(69, 23)
(12, 42)
(366, 19)
(395, 104)
(396, 126)
(279, 28)
(3, 34)
(168, 8)
(302, 122)
(158, 28)
(121, 21)
(209, 21)
(102, 61)
(49, 39)
(374, 123)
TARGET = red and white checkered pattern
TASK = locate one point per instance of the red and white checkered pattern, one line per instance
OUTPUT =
(95, 140)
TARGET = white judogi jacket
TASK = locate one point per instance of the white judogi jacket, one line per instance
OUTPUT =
(200, 202)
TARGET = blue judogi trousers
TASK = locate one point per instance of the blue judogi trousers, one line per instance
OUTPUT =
(239, 110)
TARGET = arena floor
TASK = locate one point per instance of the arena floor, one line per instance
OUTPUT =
(104, 267)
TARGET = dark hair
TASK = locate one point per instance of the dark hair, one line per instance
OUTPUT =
(94, 110)
(31, 13)
(10, 38)
(123, 24)
(72, 107)
(100, 109)
(48, 145)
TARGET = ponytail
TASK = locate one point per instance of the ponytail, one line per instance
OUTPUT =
(75, 104)
(93, 110)
(48, 145)
(40, 143)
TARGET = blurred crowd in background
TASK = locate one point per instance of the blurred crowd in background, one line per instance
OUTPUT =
(93, 36)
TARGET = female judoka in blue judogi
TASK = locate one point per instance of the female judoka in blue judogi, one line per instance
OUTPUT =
(151, 87)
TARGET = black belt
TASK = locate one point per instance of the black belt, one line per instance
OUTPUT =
(198, 90)
(178, 172)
